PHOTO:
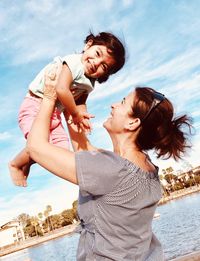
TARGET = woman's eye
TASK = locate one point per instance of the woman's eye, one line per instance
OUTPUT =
(123, 101)
(97, 53)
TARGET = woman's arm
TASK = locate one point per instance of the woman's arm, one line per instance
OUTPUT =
(57, 160)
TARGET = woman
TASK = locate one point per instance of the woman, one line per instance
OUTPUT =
(119, 190)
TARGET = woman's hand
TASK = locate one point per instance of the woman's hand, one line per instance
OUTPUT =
(51, 78)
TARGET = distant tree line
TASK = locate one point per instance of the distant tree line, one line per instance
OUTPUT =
(172, 182)
(44, 222)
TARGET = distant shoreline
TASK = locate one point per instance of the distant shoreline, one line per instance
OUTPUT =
(68, 230)
(178, 194)
(71, 228)
(195, 256)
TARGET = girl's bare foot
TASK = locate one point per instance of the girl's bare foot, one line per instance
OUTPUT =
(26, 168)
(17, 175)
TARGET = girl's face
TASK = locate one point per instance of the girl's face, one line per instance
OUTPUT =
(96, 60)
(120, 118)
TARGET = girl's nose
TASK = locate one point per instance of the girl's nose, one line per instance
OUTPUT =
(97, 62)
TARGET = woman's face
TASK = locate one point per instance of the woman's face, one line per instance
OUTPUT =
(120, 114)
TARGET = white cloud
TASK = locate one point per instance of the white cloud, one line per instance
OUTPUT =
(5, 136)
(174, 71)
(196, 113)
(49, 28)
(42, 7)
(127, 3)
(60, 196)
(178, 65)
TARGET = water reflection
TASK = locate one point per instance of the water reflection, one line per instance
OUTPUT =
(62, 249)
(178, 226)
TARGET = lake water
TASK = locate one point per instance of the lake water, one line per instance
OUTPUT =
(178, 228)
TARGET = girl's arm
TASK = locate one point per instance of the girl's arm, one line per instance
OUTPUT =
(66, 98)
(63, 91)
(57, 160)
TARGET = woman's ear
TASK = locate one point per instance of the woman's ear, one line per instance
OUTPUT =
(133, 124)
(88, 45)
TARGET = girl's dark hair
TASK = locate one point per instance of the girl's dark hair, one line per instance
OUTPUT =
(160, 130)
(115, 49)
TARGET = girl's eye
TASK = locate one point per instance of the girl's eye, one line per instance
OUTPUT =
(97, 53)
(104, 67)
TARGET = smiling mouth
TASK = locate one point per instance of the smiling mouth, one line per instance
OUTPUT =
(110, 116)
(91, 67)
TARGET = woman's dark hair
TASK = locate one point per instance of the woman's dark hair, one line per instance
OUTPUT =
(159, 129)
(115, 49)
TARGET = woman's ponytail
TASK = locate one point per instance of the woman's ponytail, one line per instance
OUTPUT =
(175, 141)
(161, 131)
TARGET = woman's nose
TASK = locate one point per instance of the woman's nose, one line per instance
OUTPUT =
(113, 105)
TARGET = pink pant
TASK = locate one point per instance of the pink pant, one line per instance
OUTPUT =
(27, 113)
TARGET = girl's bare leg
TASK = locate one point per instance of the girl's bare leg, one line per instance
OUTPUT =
(19, 168)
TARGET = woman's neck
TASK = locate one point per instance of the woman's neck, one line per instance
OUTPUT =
(124, 146)
(131, 153)
(128, 150)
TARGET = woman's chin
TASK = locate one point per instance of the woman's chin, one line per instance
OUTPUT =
(106, 124)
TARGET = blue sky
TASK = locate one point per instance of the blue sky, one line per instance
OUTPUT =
(163, 46)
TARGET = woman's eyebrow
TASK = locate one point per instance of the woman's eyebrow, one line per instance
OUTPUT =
(124, 100)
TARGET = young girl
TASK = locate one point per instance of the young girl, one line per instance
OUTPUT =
(102, 55)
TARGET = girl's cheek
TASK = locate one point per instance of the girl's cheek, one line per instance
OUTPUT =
(101, 73)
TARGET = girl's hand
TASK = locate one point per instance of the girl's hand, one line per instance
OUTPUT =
(82, 120)
(85, 123)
